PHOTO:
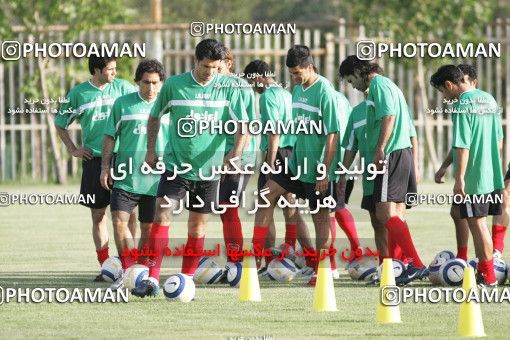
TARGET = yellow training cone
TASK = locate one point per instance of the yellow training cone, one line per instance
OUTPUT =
(324, 299)
(470, 316)
(249, 288)
(389, 296)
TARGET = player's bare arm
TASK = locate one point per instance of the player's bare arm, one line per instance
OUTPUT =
(272, 149)
(153, 125)
(416, 159)
(462, 159)
(81, 152)
(329, 154)
(106, 159)
(438, 178)
(386, 129)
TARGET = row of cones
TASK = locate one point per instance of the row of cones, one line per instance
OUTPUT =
(324, 300)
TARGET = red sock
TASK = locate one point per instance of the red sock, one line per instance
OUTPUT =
(332, 257)
(190, 263)
(268, 259)
(310, 261)
(158, 241)
(102, 255)
(462, 253)
(291, 234)
(259, 237)
(128, 261)
(498, 237)
(399, 231)
(346, 222)
(487, 269)
(232, 232)
(394, 250)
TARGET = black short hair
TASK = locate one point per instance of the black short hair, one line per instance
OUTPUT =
(444, 73)
(99, 62)
(299, 55)
(210, 49)
(257, 66)
(469, 70)
(352, 64)
(149, 66)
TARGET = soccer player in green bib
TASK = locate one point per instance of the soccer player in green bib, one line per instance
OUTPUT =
(193, 155)
(127, 126)
(389, 144)
(313, 100)
(354, 140)
(89, 103)
(275, 104)
(499, 222)
(235, 184)
(477, 137)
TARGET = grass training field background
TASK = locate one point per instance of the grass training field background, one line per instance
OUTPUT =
(51, 246)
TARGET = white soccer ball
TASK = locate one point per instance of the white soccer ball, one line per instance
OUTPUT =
(234, 271)
(500, 269)
(363, 269)
(445, 254)
(451, 273)
(179, 287)
(208, 271)
(282, 270)
(134, 275)
(399, 268)
(111, 269)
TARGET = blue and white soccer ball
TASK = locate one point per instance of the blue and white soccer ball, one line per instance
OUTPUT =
(282, 270)
(111, 269)
(134, 275)
(363, 269)
(208, 271)
(474, 263)
(179, 287)
(451, 273)
(441, 258)
(500, 270)
(234, 271)
(399, 268)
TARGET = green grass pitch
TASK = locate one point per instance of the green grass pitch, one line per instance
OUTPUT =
(51, 246)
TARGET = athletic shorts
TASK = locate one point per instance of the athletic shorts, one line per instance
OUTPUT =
(199, 191)
(349, 186)
(398, 180)
(368, 203)
(281, 155)
(233, 185)
(91, 185)
(302, 190)
(126, 201)
(482, 205)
